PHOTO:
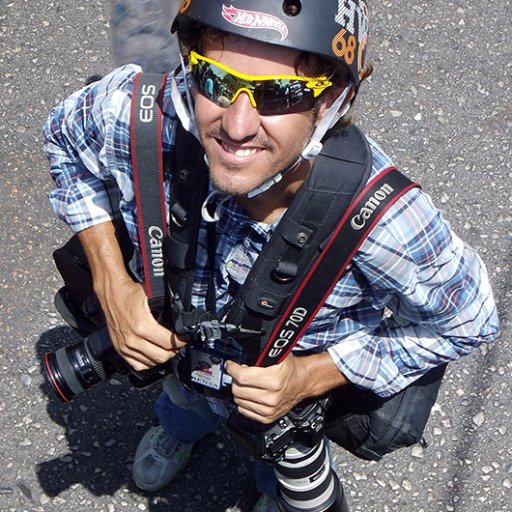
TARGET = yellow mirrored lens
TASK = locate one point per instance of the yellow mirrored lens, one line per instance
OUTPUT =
(321, 82)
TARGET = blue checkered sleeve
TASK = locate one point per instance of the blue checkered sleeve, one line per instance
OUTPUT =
(87, 141)
(436, 290)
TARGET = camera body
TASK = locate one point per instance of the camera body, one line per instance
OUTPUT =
(304, 424)
(73, 369)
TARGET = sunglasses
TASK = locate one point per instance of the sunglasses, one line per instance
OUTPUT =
(270, 95)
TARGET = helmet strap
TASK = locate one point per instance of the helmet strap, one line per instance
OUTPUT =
(272, 181)
(333, 114)
(184, 111)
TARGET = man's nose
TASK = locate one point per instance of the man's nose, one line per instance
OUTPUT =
(241, 120)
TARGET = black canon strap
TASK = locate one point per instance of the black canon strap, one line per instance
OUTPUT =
(338, 174)
(312, 246)
(189, 187)
(299, 243)
(147, 160)
(168, 248)
(323, 274)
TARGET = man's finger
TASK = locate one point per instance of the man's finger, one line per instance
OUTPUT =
(252, 376)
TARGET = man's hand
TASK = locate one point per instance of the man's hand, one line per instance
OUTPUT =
(267, 394)
(135, 333)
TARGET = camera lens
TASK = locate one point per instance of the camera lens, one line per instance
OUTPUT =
(72, 370)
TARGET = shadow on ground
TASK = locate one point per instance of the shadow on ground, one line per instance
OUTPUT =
(102, 428)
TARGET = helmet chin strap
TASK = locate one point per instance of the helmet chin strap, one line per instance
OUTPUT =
(185, 112)
(313, 148)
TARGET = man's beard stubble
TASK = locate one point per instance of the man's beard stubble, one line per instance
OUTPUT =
(215, 134)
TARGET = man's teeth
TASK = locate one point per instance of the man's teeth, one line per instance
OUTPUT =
(239, 152)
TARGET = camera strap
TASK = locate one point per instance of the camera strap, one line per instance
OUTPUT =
(168, 246)
(328, 219)
(327, 264)
(148, 175)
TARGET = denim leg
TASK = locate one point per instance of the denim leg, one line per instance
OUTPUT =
(184, 415)
(266, 480)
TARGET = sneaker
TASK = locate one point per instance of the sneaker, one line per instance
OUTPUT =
(266, 504)
(159, 459)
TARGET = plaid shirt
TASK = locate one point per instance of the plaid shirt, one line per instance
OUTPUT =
(411, 265)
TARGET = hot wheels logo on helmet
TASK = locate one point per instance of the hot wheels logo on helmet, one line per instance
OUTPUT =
(252, 19)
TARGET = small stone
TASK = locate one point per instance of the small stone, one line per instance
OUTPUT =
(25, 379)
(479, 419)
(417, 451)
(407, 485)
(394, 485)
(44, 499)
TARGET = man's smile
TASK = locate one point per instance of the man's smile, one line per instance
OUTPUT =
(237, 150)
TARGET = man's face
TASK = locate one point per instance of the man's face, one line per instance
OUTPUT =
(244, 148)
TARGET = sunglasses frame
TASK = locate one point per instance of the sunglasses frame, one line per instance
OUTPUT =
(316, 85)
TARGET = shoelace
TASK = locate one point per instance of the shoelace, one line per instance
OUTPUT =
(166, 446)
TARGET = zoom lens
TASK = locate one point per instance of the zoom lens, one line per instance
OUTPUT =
(72, 370)
(76, 368)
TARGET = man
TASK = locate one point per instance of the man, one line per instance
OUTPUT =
(264, 89)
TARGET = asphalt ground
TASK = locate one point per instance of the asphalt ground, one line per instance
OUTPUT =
(439, 102)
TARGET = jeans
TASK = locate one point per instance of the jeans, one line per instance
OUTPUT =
(188, 417)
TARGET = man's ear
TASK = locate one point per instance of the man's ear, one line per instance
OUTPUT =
(331, 96)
